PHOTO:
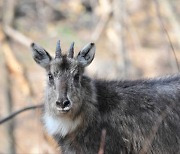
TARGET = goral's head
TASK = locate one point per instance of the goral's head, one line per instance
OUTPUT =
(64, 75)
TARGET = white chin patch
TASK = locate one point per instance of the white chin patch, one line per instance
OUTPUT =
(60, 125)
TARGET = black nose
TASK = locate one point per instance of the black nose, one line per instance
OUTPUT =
(64, 104)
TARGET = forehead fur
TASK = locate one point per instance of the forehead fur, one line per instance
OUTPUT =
(64, 64)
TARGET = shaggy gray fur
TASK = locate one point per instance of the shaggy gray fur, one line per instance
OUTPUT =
(137, 115)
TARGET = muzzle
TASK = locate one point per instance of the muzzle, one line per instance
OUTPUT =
(64, 105)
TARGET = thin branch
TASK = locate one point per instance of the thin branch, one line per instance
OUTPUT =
(104, 20)
(17, 36)
(165, 31)
(154, 130)
(164, 114)
(20, 111)
(16, 68)
(8, 105)
(102, 143)
(100, 28)
(10, 58)
(7, 22)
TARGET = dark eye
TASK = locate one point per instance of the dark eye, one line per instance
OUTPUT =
(50, 77)
(76, 77)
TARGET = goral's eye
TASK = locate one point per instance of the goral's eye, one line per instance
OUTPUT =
(50, 77)
(76, 77)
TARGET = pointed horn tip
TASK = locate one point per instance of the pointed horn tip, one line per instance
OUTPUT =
(58, 46)
(92, 43)
(71, 50)
(58, 49)
(58, 43)
(32, 44)
(72, 45)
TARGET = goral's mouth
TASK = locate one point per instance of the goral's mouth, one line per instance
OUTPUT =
(64, 110)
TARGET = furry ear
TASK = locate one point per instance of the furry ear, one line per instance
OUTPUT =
(86, 55)
(40, 55)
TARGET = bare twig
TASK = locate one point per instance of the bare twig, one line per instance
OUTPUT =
(16, 68)
(20, 111)
(6, 31)
(165, 31)
(17, 36)
(104, 19)
(173, 18)
(8, 12)
(8, 19)
(164, 113)
(119, 13)
(154, 130)
(100, 28)
(8, 109)
(102, 143)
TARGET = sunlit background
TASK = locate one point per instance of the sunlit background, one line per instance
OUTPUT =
(134, 39)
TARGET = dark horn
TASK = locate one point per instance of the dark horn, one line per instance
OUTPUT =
(58, 50)
(71, 50)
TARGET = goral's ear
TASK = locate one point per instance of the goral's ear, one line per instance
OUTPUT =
(86, 55)
(41, 56)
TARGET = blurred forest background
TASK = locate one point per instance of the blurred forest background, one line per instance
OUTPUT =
(134, 38)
